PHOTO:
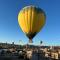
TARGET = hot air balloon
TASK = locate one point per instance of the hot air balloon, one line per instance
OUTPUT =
(31, 19)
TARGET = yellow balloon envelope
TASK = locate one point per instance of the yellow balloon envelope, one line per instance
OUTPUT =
(31, 19)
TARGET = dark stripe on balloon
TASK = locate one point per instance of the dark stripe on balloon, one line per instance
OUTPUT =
(27, 18)
(31, 19)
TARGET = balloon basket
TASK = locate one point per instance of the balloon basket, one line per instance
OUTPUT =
(30, 41)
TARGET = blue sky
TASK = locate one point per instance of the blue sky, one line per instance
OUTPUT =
(10, 30)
